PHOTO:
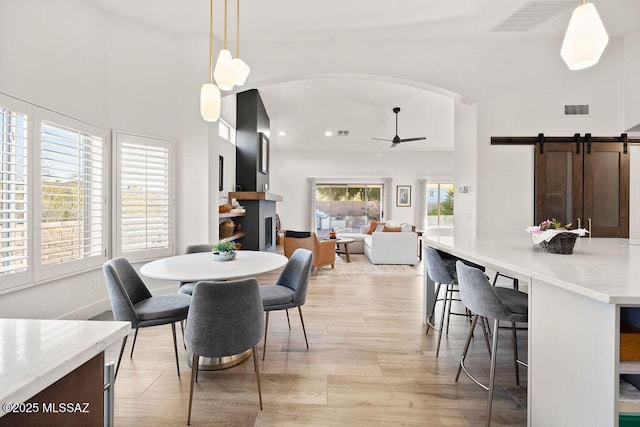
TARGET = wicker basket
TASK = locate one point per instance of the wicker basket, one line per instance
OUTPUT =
(562, 243)
(226, 228)
(226, 208)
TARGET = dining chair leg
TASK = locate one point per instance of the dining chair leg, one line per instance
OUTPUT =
(492, 372)
(303, 328)
(135, 337)
(124, 342)
(194, 374)
(430, 324)
(182, 329)
(514, 342)
(466, 346)
(257, 367)
(266, 327)
(175, 346)
(288, 321)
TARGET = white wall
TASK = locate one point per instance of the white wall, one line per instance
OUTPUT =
(290, 170)
(466, 169)
(632, 82)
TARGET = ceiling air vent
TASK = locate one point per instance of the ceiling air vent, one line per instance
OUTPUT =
(532, 14)
(343, 133)
(576, 110)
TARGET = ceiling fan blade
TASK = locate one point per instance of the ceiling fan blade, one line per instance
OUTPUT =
(381, 139)
(394, 144)
(413, 139)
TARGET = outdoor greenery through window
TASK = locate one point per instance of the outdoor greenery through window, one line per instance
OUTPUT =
(71, 194)
(347, 207)
(439, 205)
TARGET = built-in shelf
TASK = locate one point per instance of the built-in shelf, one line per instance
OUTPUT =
(233, 237)
(630, 367)
(230, 215)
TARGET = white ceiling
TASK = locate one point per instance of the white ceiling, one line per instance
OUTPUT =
(305, 109)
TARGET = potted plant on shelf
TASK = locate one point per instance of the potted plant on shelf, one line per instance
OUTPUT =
(224, 251)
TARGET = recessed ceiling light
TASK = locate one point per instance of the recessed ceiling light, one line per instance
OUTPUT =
(282, 133)
(328, 133)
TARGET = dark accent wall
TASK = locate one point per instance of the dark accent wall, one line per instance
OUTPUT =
(260, 235)
(251, 120)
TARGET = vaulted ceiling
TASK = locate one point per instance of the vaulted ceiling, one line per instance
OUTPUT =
(305, 109)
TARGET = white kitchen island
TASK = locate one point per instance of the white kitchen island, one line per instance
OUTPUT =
(574, 320)
(46, 363)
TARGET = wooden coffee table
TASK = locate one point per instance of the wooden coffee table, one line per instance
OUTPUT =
(344, 241)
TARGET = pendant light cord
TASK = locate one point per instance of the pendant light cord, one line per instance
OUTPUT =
(238, 29)
(210, 41)
(225, 24)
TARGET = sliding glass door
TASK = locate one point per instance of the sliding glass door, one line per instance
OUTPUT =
(347, 207)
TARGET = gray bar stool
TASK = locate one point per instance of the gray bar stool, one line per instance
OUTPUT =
(500, 304)
(445, 275)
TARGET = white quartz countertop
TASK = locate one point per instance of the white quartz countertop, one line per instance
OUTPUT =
(36, 353)
(606, 270)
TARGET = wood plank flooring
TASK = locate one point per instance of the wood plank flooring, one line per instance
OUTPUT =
(369, 363)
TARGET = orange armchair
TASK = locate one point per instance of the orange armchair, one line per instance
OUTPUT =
(324, 251)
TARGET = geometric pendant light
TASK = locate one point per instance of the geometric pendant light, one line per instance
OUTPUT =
(209, 93)
(240, 68)
(585, 39)
(224, 73)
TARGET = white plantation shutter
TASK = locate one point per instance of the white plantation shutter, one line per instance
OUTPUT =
(72, 195)
(14, 192)
(144, 187)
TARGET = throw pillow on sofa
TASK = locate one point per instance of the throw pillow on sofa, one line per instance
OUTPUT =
(373, 225)
(391, 229)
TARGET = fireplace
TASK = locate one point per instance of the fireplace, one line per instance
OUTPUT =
(268, 232)
(258, 222)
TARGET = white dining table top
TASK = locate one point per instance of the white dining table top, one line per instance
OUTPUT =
(202, 266)
(605, 269)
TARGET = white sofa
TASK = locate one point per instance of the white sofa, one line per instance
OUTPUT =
(386, 247)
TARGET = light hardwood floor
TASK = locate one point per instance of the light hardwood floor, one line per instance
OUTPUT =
(369, 363)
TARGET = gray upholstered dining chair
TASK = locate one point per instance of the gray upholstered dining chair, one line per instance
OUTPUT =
(290, 290)
(131, 301)
(500, 304)
(187, 287)
(225, 318)
(442, 274)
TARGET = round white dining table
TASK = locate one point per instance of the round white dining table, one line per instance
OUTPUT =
(202, 266)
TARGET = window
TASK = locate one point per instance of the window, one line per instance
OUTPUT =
(14, 192)
(439, 199)
(347, 207)
(144, 199)
(52, 194)
(72, 195)
(226, 131)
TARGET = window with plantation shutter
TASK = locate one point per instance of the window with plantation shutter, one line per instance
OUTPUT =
(144, 197)
(72, 195)
(14, 193)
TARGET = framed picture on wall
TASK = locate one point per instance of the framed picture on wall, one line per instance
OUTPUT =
(264, 154)
(403, 195)
(220, 173)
